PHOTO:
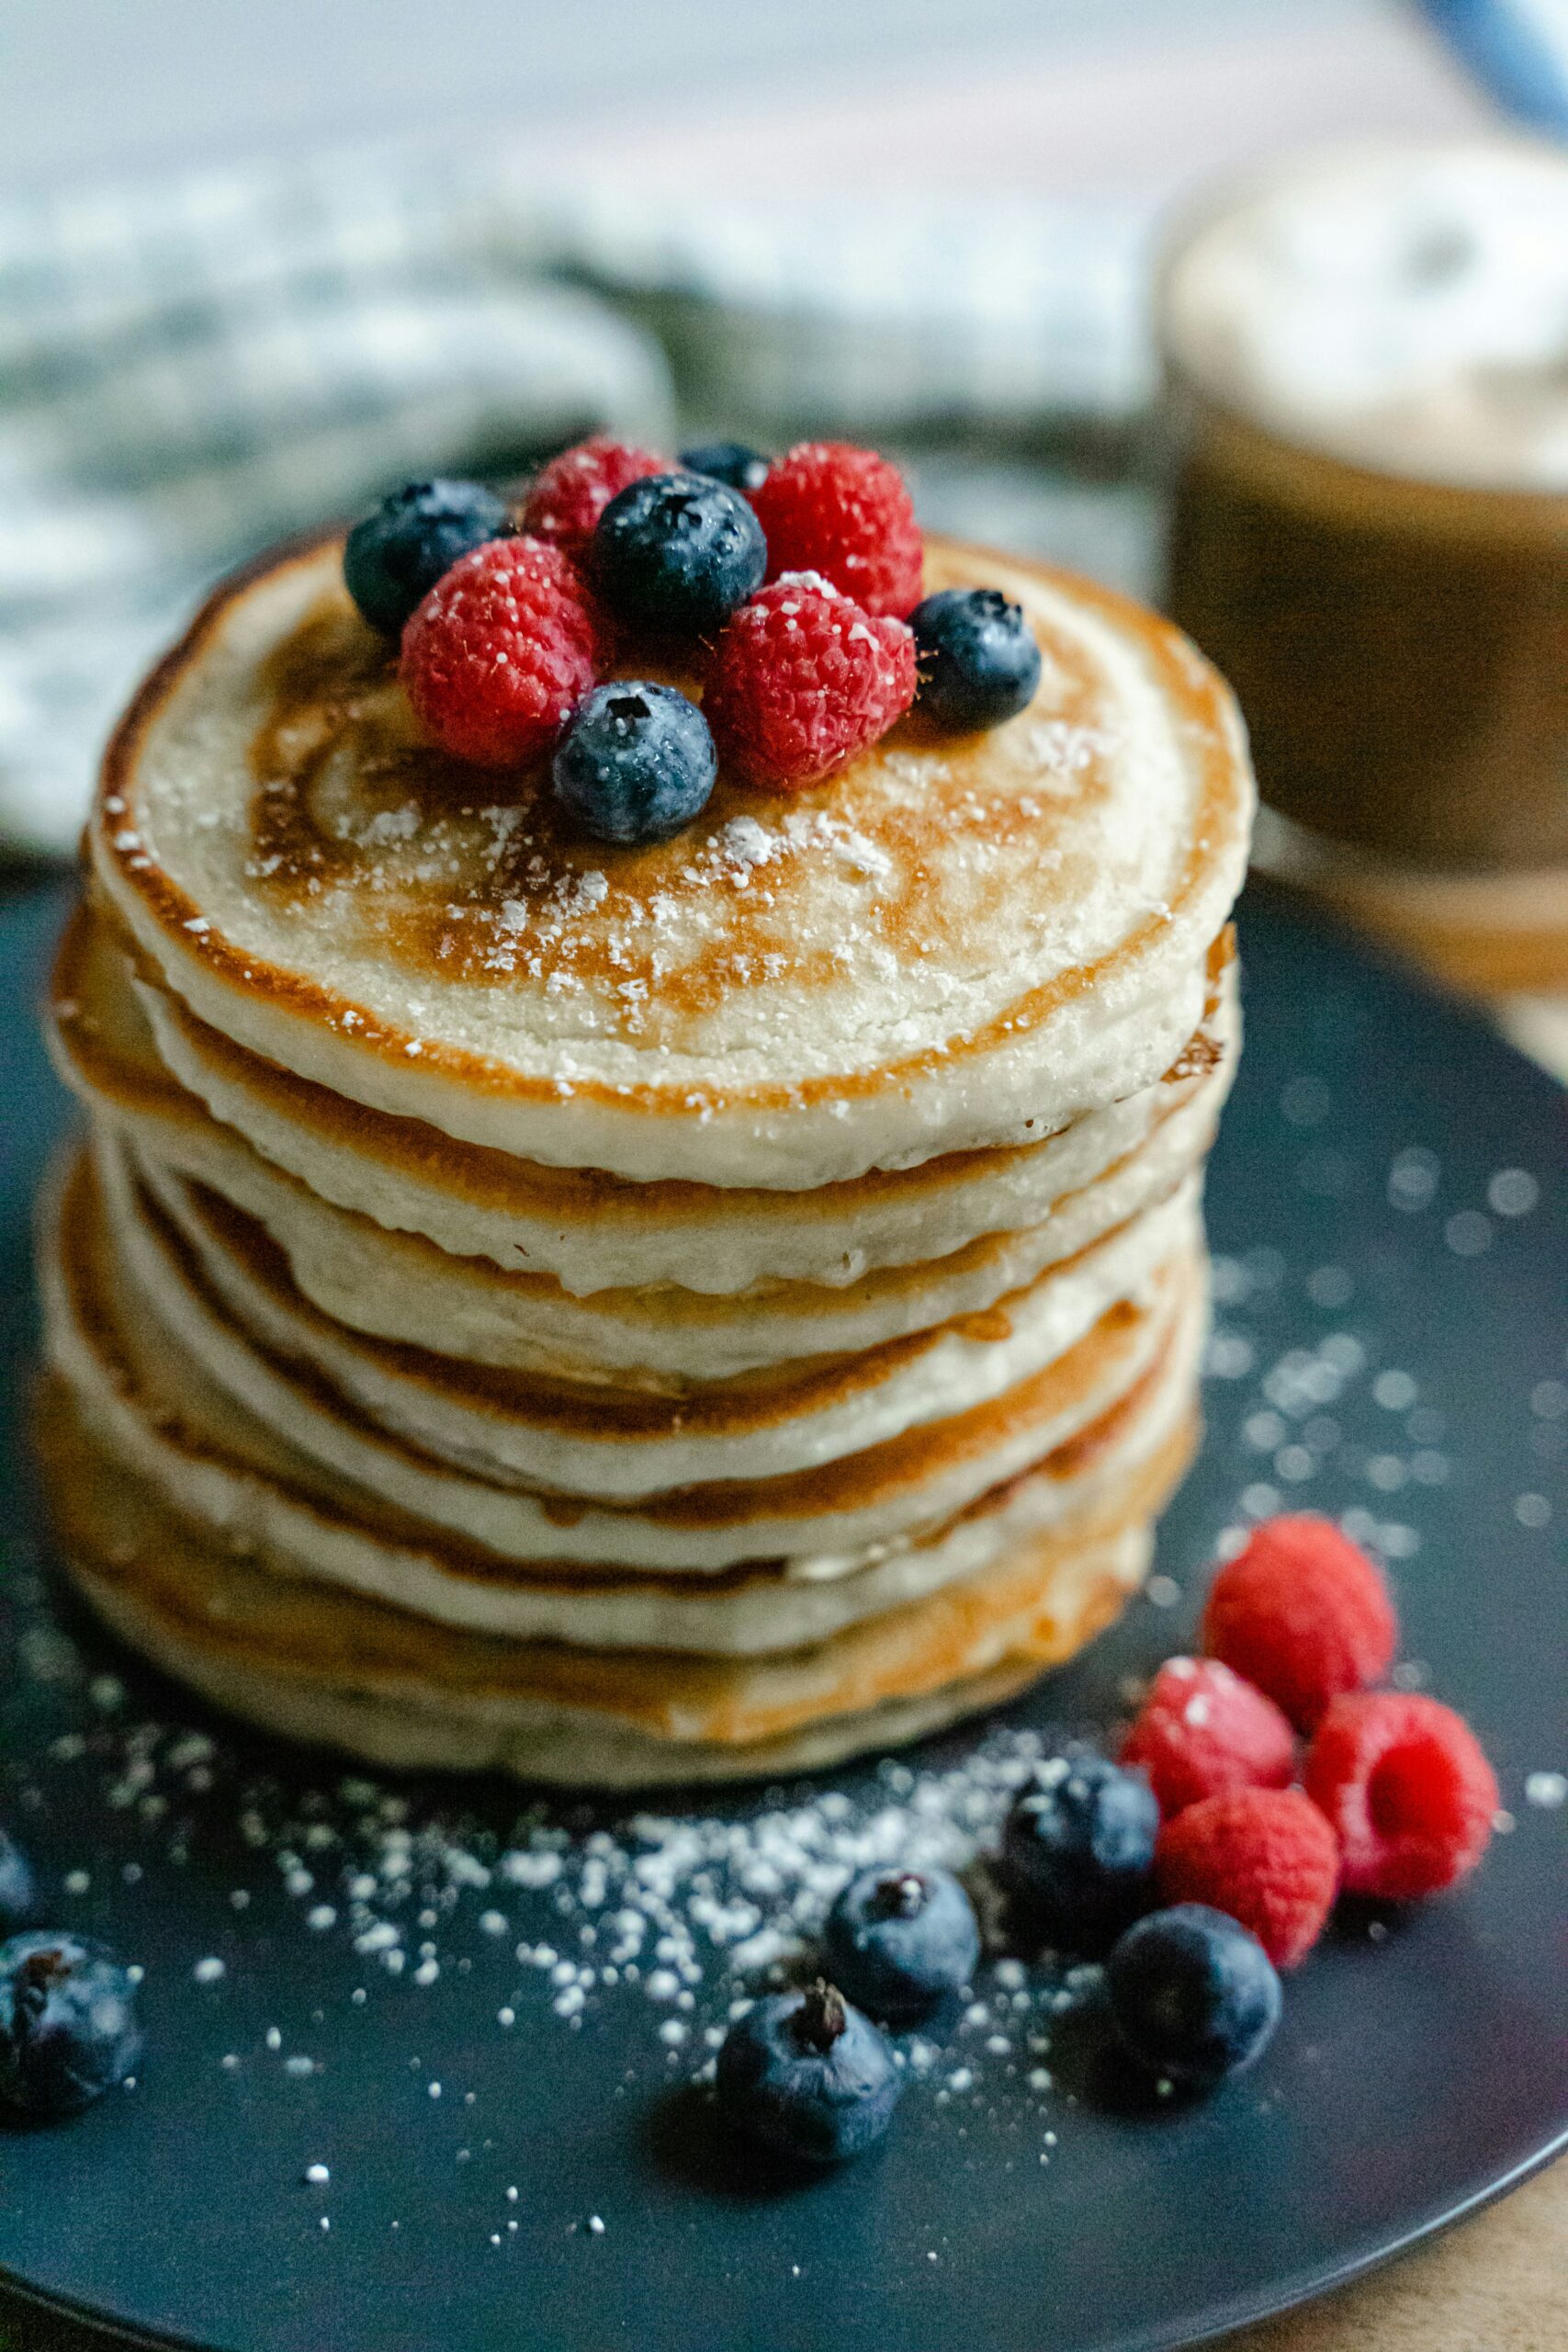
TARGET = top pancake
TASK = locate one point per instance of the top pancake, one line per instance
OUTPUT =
(954, 943)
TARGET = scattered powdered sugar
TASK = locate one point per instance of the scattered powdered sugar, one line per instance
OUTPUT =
(554, 1913)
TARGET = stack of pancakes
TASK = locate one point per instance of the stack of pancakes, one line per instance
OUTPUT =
(634, 1314)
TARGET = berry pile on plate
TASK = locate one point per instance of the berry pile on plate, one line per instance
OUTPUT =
(792, 589)
(1194, 1864)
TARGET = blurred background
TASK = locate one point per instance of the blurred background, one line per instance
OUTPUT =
(262, 259)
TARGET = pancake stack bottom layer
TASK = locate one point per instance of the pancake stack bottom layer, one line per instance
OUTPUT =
(633, 1317)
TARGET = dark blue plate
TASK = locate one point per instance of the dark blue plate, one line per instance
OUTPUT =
(332, 1972)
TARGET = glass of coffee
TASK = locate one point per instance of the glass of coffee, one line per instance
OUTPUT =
(1367, 362)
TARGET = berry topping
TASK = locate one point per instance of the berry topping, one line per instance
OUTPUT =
(394, 557)
(1303, 1613)
(18, 1894)
(1266, 1857)
(976, 656)
(1202, 1730)
(67, 2023)
(571, 494)
(900, 1939)
(802, 679)
(1408, 1791)
(678, 553)
(636, 763)
(743, 468)
(808, 2076)
(846, 512)
(1193, 1994)
(1079, 1845)
(500, 651)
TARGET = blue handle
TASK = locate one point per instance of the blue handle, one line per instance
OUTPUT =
(1516, 49)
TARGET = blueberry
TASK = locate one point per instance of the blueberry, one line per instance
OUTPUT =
(975, 654)
(18, 1894)
(678, 553)
(898, 1939)
(67, 2023)
(730, 461)
(1194, 1995)
(636, 763)
(808, 2076)
(1080, 1844)
(395, 557)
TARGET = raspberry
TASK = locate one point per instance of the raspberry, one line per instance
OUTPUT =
(1406, 1790)
(1265, 1856)
(500, 652)
(844, 512)
(1202, 1731)
(571, 494)
(1303, 1613)
(802, 679)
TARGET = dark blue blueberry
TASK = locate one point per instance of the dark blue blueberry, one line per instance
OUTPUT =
(976, 656)
(1080, 1844)
(636, 763)
(1194, 1995)
(678, 553)
(395, 557)
(808, 2076)
(18, 1894)
(67, 2023)
(898, 1939)
(742, 467)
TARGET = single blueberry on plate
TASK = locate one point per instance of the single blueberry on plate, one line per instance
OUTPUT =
(1193, 1994)
(678, 553)
(808, 2076)
(976, 656)
(394, 557)
(1078, 1846)
(68, 2028)
(898, 1939)
(18, 1892)
(733, 462)
(636, 763)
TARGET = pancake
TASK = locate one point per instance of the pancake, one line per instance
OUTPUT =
(324, 1664)
(609, 1443)
(95, 1309)
(955, 943)
(625, 1316)
(593, 1232)
(157, 1413)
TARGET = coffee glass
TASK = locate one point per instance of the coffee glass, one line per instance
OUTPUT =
(1366, 359)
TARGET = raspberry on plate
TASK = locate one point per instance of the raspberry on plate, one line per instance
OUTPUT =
(829, 507)
(1406, 1789)
(1201, 1730)
(500, 651)
(571, 494)
(1266, 1857)
(802, 679)
(1301, 1612)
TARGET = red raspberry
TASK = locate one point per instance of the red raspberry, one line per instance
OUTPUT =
(802, 679)
(1303, 1613)
(844, 512)
(500, 651)
(1406, 1789)
(1266, 1856)
(571, 494)
(1202, 1730)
